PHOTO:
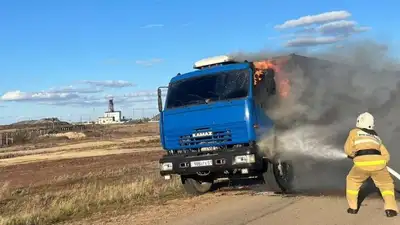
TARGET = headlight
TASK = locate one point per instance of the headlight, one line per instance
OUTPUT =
(244, 159)
(166, 166)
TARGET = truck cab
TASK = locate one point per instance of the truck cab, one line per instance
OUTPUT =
(211, 124)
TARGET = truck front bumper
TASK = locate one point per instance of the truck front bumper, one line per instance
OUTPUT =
(215, 162)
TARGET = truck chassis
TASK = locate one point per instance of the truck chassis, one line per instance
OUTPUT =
(199, 170)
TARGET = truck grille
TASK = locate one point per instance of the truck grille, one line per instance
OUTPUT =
(203, 137)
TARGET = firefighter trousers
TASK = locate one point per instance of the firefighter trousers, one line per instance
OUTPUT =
(382, 180)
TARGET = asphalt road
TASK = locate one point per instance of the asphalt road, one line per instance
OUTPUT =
(299, 210)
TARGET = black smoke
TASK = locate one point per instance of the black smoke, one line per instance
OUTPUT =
(329, 90)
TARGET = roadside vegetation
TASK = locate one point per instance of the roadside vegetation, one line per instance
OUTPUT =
(74, 198)
(66, 190)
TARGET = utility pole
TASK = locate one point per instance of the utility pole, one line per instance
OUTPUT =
(53, 121)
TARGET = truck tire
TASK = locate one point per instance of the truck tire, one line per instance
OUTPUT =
(284, 176)
(278, 180)
(194, 186)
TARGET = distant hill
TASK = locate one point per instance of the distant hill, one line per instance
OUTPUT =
(41, 122)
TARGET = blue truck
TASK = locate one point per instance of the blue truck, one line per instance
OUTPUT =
(212, 120)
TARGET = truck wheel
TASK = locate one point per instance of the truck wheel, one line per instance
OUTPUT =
(284, 175)
(278, 177)
(196, 186)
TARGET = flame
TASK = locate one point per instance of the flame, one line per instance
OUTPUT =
(280, 77)
(260, 67)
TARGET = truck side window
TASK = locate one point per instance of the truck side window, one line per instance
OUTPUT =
(265, 88)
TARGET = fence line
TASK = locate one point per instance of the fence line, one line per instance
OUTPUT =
(8, 138)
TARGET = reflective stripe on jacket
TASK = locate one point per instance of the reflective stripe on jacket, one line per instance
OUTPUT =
(359, 140)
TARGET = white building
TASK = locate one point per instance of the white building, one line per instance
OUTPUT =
(111, 116)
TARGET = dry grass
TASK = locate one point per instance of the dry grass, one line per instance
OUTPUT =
(78, 200)
(74, 196)
(141, 143)
(26, 138)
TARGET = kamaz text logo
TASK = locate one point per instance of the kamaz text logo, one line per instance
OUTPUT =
(202, 134)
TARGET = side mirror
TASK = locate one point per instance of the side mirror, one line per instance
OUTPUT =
(160, 106)
(159, 96)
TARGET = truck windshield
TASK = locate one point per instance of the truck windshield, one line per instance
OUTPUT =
(208, 88)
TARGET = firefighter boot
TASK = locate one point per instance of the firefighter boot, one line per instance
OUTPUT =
(390, 213)
(352, 211)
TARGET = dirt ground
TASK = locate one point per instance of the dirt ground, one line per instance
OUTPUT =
(252, 208)
(299, 210)
(40, 173)
(79, 150)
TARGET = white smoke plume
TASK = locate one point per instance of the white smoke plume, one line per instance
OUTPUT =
(325, 100)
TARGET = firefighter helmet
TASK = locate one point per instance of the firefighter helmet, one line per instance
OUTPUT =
(365, 120)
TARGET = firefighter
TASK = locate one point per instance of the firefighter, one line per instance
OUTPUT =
(370, 158)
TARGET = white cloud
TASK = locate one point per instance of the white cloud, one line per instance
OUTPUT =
(149, 62)
(321, 29)
(141, 94)
(36, 96)
(63, 94)
(341, 27)
(80, 102)
(312, 41)
(327, 27)
(306, 30)
(314, 19)
(153, 25)
(74, 96)
(72, 89)
(110, 83)
(336, 28)
(287, 36)
(122, 100)
(104, 101)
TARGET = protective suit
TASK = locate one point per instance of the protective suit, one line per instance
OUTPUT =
(370, 158)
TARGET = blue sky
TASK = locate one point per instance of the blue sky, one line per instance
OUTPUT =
(63, 58)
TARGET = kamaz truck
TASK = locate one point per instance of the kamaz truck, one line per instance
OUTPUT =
(212, 120)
